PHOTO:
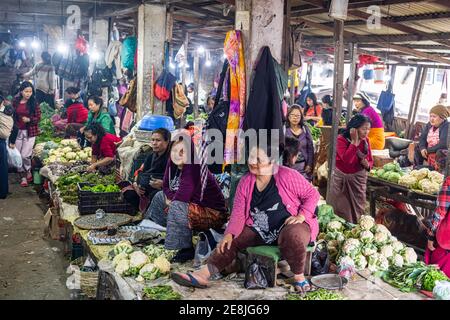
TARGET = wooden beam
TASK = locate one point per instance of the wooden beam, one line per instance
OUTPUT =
(397, 26)
(353, 50)
(337, 97)
(419, 82)
(206, 12)
(300, 11)
(384, 43)
(377, 38)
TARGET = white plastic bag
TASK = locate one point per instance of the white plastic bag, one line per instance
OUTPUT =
(442, 290)
(14, 158)
(207, 243)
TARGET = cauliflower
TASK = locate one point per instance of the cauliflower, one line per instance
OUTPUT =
(66, 150)
(360, 262)
(407, 181)
(339, 236)
(334, 226)
(71, 155)
(387, 251)
(123, 266)
(351, 247)
(162, 264)
(353, 233)
(420, 174)
(429, 187)
(397, 246)
(346, 260)
(382, 263)
(409, 255)
(366, 236)
(149, 267)
(436, 177)
(369, 250)
(119, 257)
(397, 260)
(138, 259)
(372, 264)
(380, 238)
(366, 222)
(379, 228)
(140, 279)
(123, 246)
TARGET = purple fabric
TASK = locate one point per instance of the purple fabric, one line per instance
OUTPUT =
(190, 187)
(306, 148)
(374, 117)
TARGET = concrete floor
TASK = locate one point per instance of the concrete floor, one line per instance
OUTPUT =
(31, 267)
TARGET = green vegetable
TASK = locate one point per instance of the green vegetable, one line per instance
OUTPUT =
(380, 173)
(320, 294)
(431, 277)
(389, 167)
(315, 132)
(162, 292)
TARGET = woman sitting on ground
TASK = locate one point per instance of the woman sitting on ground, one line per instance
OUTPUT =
(139, 195)
(104, 146)
(433, 139)
(181, 206)
(353, 161)
(273, 205)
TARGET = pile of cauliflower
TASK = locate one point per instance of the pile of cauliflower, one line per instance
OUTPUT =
(68, 151)
(423, 180)
(130, 262)
(367, 245)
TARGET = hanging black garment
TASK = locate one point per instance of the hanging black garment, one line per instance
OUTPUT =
(264, 104)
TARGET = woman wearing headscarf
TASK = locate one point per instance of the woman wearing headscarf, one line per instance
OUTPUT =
(433, 139)
(353, 161)
(376, 134)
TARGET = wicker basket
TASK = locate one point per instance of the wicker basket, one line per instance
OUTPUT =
(143, 135)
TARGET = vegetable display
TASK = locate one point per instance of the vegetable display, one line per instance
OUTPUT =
(100, 188)
(366, 245)
(47, 130)
(413, 276)
(149, 264)
(315, 132)
(320, 294)
(163, 292)
(390, 172)
(68, 151)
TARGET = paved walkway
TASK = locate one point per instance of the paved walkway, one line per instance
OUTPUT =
(31, 267)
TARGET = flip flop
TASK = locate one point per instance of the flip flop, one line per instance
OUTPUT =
(302, 285)
(192, 282)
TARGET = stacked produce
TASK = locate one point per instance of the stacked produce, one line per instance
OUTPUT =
(423, 180)
(68, 184)
(366, 245)
(47, 130)
(390, 172)
(149, 264)
(315, 132)
(100, 188)
(68, 151)
(414, 276)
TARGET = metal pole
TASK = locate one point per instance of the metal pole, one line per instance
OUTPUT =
(351, 79)
(337, 94)
(196, 81)
(292, 89)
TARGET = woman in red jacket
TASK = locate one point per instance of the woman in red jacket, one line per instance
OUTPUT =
(104, 146)
(26, 128)
(353, 161)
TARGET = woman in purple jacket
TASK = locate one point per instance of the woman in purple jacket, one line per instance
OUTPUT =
(180, 206)
(272, 205)
(297, 129)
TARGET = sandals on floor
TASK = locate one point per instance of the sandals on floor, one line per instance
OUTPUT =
(303, 285)
(192, 282)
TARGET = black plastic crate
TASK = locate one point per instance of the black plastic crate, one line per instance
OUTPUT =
(111, 202)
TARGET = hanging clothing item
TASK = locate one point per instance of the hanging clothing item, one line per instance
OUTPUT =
(128, 53)
(234, 51)
(264, 104)
(112, 55)
(81, 45)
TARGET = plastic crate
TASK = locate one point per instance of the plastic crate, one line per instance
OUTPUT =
(111, 202)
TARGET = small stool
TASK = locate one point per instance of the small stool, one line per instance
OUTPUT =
(270, 256)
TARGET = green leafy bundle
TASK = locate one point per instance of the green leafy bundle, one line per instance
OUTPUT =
(163, 292)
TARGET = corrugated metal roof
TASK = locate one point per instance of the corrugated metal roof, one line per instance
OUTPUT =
(407, 9)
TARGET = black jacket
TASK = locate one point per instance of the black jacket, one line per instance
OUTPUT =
(443, 131)
(264, 105)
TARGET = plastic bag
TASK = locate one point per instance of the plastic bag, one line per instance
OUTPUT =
(442, 290)
(320, 262)
(14, 158)
(256, 277)
(207, 243)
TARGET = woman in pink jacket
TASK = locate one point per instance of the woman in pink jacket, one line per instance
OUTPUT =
(273, 205)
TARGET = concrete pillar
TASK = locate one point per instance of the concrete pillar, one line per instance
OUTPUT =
(151, 37)
(262, 24)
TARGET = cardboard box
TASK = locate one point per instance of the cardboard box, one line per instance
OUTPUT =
(380, 161)
(51, 220)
